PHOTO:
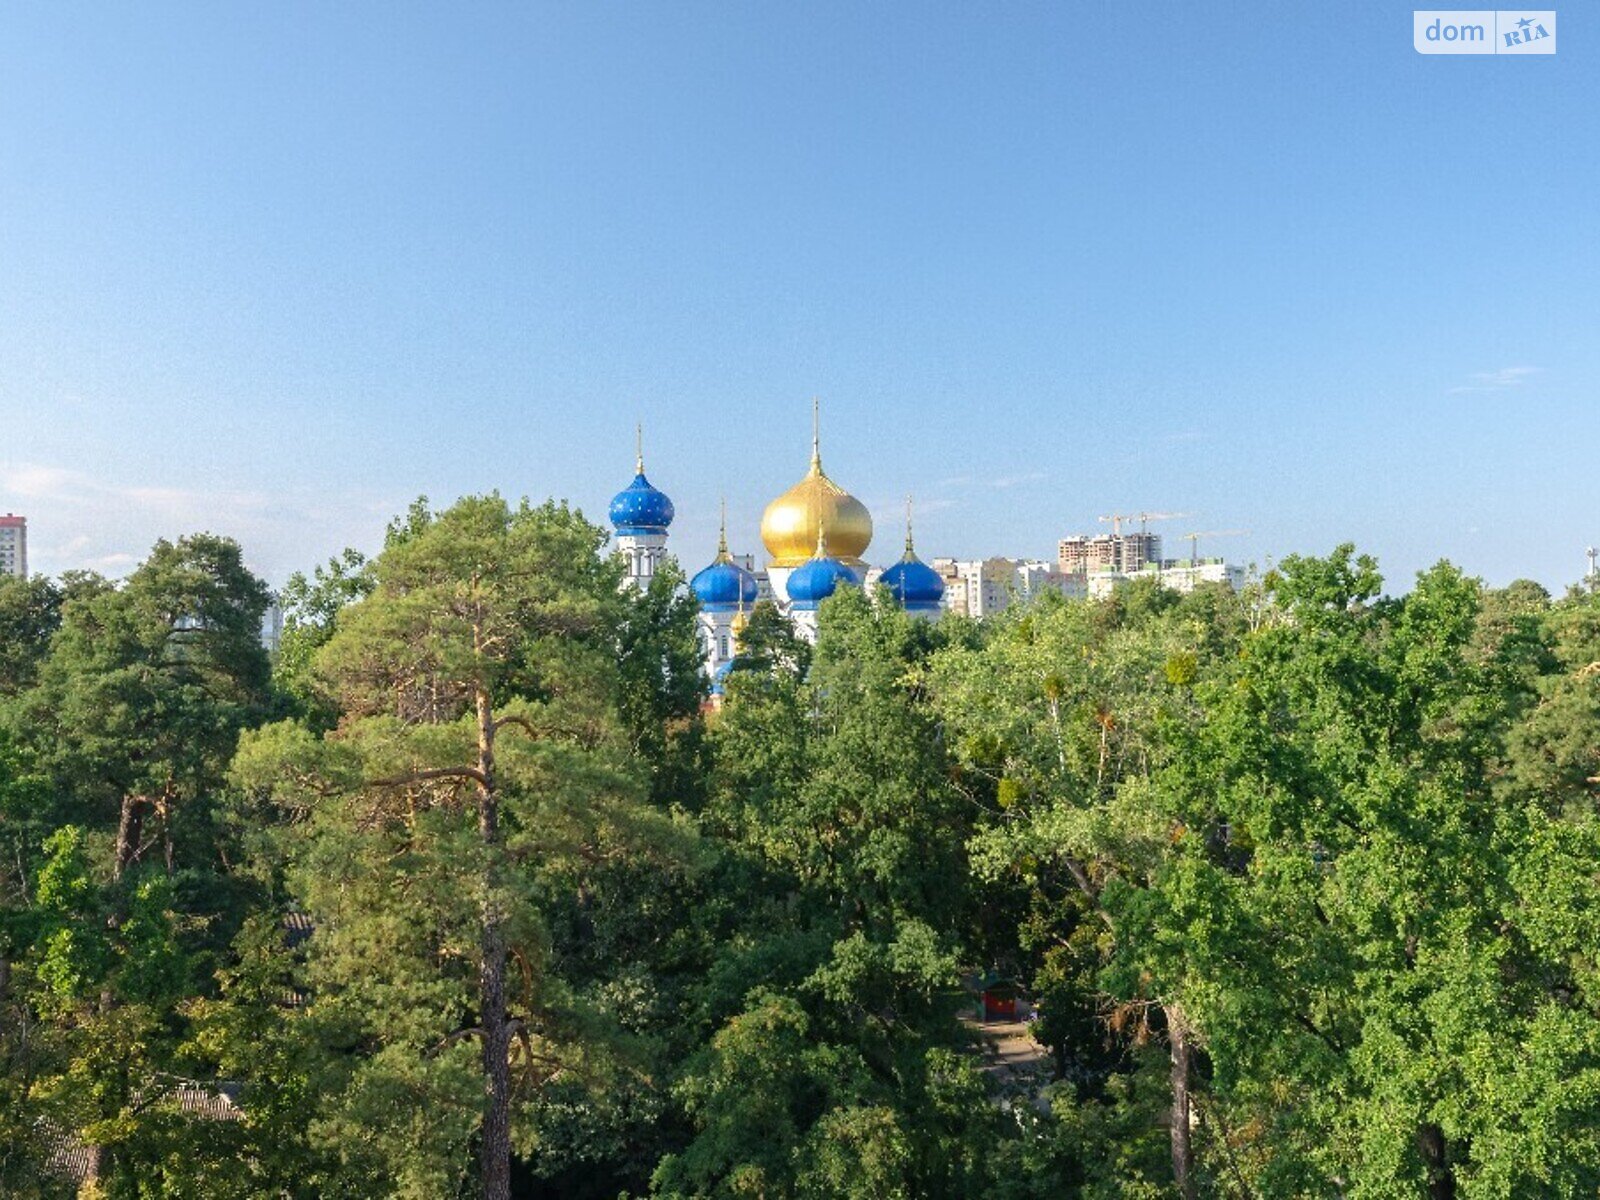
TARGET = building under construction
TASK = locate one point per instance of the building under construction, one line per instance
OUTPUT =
(1120, 552)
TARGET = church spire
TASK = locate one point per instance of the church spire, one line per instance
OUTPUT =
(740, 622)
(638, 447)
(722, 535)
(910, 551)
(816, 437)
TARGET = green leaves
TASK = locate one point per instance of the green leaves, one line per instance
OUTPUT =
(477, 763)
(1321, 860)
(1349, 836)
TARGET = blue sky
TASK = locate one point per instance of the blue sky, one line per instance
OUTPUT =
(274, 269)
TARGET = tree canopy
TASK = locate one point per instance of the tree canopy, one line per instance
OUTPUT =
(473, 890)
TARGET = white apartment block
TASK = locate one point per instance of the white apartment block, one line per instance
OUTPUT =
(14, 545)
(985, 587)
(988, 586)
(1181, 575)
(272, 627)
(1184, 575)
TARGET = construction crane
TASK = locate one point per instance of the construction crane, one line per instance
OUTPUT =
(1194, 540)
(1146, 517)
(1115, 520)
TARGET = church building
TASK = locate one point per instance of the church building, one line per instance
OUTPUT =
(816, 535)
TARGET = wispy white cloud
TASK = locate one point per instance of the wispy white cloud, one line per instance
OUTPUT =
(33, 482)
(118, 563)
(78, 521)
(1497, 381)
(1000, 482)
(893, 516)
(1010, 481)
(60, 487)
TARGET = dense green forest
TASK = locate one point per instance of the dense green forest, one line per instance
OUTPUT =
(465, 893)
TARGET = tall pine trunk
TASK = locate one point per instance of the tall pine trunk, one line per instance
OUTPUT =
(130, 831)
(1441, 1179)
(130, 828)
(1182, 1073)
(496, 1149)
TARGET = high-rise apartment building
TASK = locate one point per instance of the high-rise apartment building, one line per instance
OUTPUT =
(272, 627)
(1081, 555)
(1078, 555)
(14, 545)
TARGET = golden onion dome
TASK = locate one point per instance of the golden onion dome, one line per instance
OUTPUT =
(794, 522)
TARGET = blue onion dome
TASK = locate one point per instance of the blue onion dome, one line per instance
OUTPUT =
(914, 584)
(725, 586)
(641, 507)
(719, 677)
(814, 580)
(911, 581)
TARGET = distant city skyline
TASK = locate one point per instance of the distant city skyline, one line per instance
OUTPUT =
(266, 273)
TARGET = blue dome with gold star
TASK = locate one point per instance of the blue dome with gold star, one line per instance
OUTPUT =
(641, 508)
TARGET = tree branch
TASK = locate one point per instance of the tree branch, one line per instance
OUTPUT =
(470, 1031)
(520, 722)
(423, 776)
